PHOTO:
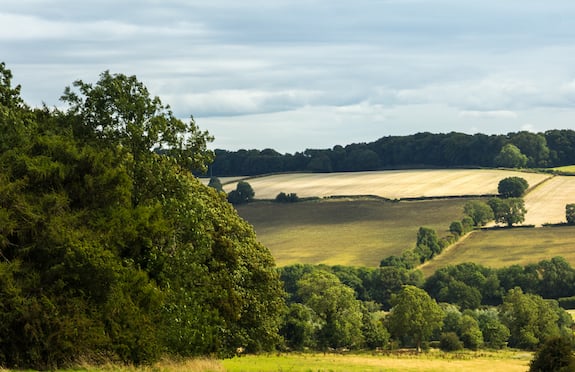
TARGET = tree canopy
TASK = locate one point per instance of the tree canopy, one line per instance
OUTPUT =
(110, 249)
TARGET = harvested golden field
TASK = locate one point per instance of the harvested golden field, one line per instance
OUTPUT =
(546, 202)
(395, 184)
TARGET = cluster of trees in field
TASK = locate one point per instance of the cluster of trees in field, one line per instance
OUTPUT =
(514, 150)
(110, 249)
(465, 305)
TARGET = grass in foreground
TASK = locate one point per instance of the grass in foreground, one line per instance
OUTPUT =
(355, 232)
(508, 361)
(504, 247)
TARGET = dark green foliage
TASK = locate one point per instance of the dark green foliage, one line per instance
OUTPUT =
(414, 316)
(514, 150)
(495, 333)
(337, 312)
(298, 327)
(556, 355)
(282, 197)
(456, 228)
(570, 214)
(509, 211)
(512, 187)
(242, 194)
(427, 245)
(374, 333)
(530, 319)
(450, 342)
(479, 211)
(567, 303)
(215, 183)
(110, 249)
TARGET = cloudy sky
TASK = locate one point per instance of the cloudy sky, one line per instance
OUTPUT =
(295, 74)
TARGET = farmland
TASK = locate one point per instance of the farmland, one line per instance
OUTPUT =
(503, 247)
(395, 184)
(361, 231)
(356, 232)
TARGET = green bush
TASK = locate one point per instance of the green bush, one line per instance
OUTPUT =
(449, 341)
(282, 197)
(556, 355)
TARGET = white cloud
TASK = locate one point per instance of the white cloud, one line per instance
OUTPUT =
(298, 74)
(489, 114)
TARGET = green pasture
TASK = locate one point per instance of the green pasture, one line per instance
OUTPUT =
(355, 232)
(508, 246)
(508, 361)
(566, 169)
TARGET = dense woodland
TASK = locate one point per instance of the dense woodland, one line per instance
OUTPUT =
(112, 251)
(550, 149)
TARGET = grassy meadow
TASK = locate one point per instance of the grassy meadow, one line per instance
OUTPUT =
(433, 361)
(355, 232)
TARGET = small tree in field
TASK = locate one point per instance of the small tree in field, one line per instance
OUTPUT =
(512, 187)
(242, 194)
(508, 211)
(479, 211)
(570, 213)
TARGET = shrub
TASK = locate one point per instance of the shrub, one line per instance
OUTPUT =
(282, 197)
(450, 342)
(456, 228)
(242, 194)
(570, 214)
(554, 355)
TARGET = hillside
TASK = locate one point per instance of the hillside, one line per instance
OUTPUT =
(396, 184)
(362, 232)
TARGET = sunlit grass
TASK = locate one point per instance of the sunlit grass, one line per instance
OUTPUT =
(359, 232)
(505, 247)
(508, 361)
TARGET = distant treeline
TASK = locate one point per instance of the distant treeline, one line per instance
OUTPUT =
(549, 149)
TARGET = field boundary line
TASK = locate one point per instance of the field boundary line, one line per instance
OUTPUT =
(450, 247)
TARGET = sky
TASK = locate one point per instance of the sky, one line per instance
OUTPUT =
(293, 74)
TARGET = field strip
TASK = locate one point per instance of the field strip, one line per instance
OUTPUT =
(394, 184)
(546, 203)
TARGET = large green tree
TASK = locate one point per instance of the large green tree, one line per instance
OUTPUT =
(530, 319)
(509, 211)
(110, 248)
(414, 316)
(337, 311)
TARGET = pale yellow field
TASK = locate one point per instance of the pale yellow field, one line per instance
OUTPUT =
(396, 184)
(546, 203)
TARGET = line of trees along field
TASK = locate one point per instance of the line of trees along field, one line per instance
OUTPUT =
(112, 251)
(515, 150)
(465, 305)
